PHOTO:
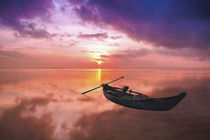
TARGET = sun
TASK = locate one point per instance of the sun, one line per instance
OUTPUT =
(99, 62)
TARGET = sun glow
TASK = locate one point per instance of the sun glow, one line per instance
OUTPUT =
(99, 62)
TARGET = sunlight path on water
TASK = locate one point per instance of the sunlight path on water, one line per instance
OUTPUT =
(99, 74)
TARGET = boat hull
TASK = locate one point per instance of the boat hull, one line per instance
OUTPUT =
(156, 104)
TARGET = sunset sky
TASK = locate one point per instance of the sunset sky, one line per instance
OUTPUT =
(104, 33)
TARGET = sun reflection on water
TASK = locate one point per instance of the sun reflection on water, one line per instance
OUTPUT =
(99, 74)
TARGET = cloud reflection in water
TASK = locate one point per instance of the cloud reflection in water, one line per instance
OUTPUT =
(45, 104)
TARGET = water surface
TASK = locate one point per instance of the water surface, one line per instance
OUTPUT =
(46, 104)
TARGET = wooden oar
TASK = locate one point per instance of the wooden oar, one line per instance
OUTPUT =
(102, 85)
(115, 80)
(132, 91)
(91, 89)
(138, 93)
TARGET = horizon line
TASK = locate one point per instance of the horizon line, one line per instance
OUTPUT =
(103, 68)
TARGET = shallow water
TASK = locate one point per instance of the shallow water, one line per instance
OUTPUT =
(46, 104)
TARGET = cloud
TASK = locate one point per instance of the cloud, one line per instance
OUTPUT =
(66, 35)
(116, 37)
(98, 36)
(132, 53)
(15, 126)
(128, 54)
(196, 54)
(172, 24)
(15, 54)
(16, 15)
(29, 30)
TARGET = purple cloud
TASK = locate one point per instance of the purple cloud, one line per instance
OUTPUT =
(116, 37)
(12, 14)
(99, 36)
(128, 54)
(172, 24)
(10, 53)
(196, 54)
(30, 30)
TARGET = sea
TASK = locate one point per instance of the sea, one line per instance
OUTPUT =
(47, 104)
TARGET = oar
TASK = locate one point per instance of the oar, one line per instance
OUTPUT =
(102, 85)
(139, 93)
(91, 89)
(115, 80)
(133, 91)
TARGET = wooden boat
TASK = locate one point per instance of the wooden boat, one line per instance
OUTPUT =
(138, 100)
(141, 101)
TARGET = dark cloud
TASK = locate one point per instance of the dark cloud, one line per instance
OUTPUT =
(30, 30)
(99, 36)
(15, 54)
(16, 126)
(14, 14)
(196, 54)
(128, 54)
(188, 120)
(172, 24)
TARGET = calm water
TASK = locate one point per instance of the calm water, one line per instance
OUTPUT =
(46, 104)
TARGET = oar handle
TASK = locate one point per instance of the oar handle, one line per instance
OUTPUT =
(91, 89)
(102, 85)
(115, 80)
